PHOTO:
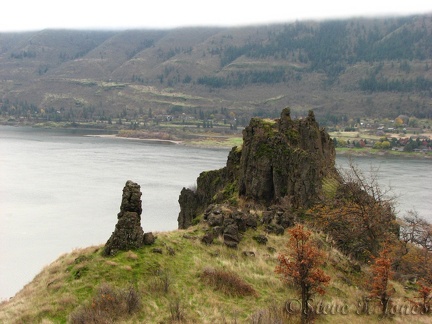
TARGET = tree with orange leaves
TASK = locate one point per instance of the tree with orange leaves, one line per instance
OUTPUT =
(301, 266)
(381, 275)
(425, 296)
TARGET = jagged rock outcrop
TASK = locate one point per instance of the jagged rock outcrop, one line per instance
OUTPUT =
(277, 216)
(285, 159)
(128, 233)
(212, 186)
(149, 238)
(131, 199)
(228, 222)
(282, 161)
(189, 202)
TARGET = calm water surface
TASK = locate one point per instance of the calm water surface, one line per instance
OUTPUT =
(62, 190)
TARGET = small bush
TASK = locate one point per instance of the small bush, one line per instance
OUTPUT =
(133, 300)
(227, 282)
(107, 306)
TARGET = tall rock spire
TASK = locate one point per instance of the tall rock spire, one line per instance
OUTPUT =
(128, 233)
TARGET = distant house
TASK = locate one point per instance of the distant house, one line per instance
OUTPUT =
(403, 141)
(380, 133)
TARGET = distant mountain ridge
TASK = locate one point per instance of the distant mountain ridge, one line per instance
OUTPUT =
(355, 67)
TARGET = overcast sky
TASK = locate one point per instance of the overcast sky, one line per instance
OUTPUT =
(127, 14)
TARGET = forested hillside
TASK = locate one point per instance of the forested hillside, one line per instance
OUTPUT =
(340, 69)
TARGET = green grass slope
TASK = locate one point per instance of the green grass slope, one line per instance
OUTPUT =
(181, 280)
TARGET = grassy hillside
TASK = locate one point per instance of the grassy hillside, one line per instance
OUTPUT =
(179, 279)
(357, 67)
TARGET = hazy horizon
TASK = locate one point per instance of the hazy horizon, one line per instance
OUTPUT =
(45, 14)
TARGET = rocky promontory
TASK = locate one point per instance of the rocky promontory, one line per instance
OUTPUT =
(281, 163)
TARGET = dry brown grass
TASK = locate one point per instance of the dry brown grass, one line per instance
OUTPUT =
(275, 314)
(108, 306)
(36, 298)
(172, 288)
(111, 263)
(131, 256)
(227, 282)
(160, 283)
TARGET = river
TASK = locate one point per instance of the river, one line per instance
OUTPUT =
(60, 190)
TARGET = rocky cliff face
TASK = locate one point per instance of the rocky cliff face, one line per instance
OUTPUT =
(282, 161)
(285, 159)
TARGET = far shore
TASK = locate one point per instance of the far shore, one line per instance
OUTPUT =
(154, 140)
(207, 144)
(381, 153)
(227, 142)
(339, 151)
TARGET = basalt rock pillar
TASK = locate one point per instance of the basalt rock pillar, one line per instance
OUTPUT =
(128, 233)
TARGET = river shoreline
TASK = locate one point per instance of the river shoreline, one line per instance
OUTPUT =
(150, 140)
(339, 151)
(212, 142)
(380, 153)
